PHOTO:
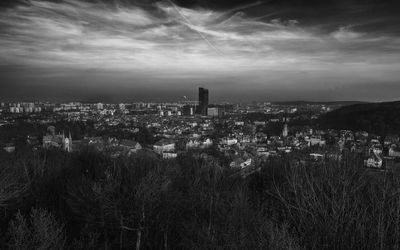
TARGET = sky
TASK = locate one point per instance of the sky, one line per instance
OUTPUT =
(144, 50)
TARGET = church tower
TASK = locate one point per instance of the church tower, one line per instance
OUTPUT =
(68, 143)
(285, 131)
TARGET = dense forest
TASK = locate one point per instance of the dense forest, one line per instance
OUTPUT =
(87, 200)
(377, 118)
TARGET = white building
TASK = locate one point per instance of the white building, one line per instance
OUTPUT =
(229, 141)
(169, 155)
(214, 112)
(315, 141)
(197, 143)
(164, 145)
(100, 106)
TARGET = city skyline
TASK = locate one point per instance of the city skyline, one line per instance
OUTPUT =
(94, 51)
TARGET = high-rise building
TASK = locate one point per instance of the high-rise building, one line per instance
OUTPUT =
(213, 112)
(203, 101)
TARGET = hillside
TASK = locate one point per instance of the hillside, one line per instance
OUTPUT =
(379, 118)
(304, 103)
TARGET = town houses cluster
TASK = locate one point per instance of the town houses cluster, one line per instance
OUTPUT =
(244, 135)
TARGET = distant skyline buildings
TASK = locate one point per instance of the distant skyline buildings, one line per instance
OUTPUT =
(203, 101)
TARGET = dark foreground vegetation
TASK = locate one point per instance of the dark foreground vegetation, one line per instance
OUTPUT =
(86, 200)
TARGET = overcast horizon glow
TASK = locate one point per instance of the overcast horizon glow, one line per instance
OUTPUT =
(87, 50)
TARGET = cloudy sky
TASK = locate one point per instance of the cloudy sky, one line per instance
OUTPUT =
(161, 50)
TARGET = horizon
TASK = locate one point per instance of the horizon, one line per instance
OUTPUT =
(211, 103)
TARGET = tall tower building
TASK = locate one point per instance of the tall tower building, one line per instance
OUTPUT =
(203, 101)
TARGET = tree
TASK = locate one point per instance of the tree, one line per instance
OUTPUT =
(43, 232)
(144, 136)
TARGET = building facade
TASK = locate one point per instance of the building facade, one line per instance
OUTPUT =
(203, 101)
